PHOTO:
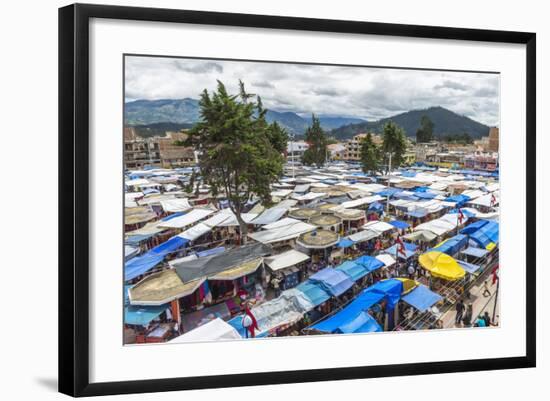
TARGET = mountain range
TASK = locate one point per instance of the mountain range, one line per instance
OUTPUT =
(153, 114)
(445, 123)
(154, 117)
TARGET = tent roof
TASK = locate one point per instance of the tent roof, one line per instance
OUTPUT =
(175, 205)
(334, 281)
(214, 330)
(160, 288)
(282, 233)
(441, 265)
(314, 292)
(143, 263)
(285, 259)
(142, 315)
(422, 298)
(388, 260)
(210, 266)
(186, 220)
(477, 252)
(270, 215)
(354, 270)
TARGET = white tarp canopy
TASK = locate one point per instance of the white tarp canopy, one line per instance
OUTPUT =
(442, 225)
(175, 205)
(308, 196)
(364, 235)
(386, 258)
(285, 259)
(128, 196)
(361, 201)
(368, 187)
(281, 193)
(379, 227)
(281, 223)
(486, 200)
(195, 232)
(214, 330)
(187, 219)
(288, 308)
(283, 233)
(269, 216)
(232, 220)
(136, 182)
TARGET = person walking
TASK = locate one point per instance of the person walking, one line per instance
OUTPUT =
(487, 319)
(459, 311)
(486, 291)
(467, 320)
(412, 271)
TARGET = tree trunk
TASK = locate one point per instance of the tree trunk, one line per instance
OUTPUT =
(243, 228)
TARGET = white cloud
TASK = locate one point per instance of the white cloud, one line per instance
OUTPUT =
(366, 92)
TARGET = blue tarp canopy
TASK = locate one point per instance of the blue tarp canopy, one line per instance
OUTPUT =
(410, 249)
(422, 298)
(469, 267)
(137, 266)
(465, 212)
(335, 282)
(314, 292)
(476, 252)
(376, 207)
(452, 245)
(140, 315)
(472, 228)
(486, 234)
(363, 323)
(345, 243)
(352, 269)
(210, 252)
(425, 195)
(408, 174)
(458, 199)
(399, 224)
(388, 192)
(368, 262)
(347, 318)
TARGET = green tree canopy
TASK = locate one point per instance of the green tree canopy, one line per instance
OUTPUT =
(240, 154)
(370, 155)
(425, 132)
(316, 153)
(394, 143)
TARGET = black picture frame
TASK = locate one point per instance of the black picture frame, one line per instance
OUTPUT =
(74, 198)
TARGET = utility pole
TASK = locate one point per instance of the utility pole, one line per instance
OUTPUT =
(388, 184)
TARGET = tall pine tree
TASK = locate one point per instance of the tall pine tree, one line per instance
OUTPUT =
(240, 154)
(394, 143)
(316, 153)
(370, 155)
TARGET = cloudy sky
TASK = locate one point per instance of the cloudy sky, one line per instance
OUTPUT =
(369, 93)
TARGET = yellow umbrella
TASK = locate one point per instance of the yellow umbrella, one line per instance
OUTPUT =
(441, 265)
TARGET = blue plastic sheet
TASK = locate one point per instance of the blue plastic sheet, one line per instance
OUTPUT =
(368, 262)
(137, 266)
(345, 243)
(399, 224)
(314, 292)
(486, 234)
(422, 298)
(347, 318)
(354, 270)
(333, 281)
(453, 245)
(473, 227)
(410, 249)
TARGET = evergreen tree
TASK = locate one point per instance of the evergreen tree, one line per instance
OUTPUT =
(316, 153)
(394, 143)
(425, 132)
(370, 155)
(240, 154)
